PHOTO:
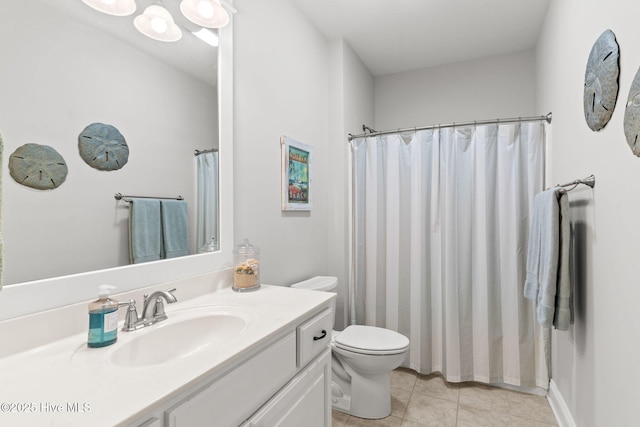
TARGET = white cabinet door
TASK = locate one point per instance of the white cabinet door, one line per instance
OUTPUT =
(305, 401)
(234, 397)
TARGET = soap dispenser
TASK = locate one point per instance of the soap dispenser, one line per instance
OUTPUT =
(103, 319)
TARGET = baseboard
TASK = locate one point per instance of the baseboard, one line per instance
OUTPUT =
(559, 407)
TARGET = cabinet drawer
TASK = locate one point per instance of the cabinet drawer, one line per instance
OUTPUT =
(152, 422)
(238, 394)
(302, 402)
(314, 335)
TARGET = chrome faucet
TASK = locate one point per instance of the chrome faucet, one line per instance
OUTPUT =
(152, 310)
(155, 300)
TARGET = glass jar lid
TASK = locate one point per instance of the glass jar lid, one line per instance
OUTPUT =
(246, 248)
(211, 246)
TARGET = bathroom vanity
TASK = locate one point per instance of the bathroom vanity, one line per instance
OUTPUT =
(220, 359)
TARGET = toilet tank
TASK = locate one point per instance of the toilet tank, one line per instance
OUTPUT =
(317, 283)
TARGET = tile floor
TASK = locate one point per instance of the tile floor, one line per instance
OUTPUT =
(428, 400)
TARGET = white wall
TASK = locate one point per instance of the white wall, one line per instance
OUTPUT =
(489, 88)
(290, 80)
(595, 363)
(351, 105)
(59, 77)
(281, 76)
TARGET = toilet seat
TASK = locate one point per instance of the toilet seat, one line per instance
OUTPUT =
(371, 340)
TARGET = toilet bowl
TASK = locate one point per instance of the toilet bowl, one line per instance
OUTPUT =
(362, 360)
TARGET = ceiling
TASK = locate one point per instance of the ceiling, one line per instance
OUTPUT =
(392, 36)
(189, 55)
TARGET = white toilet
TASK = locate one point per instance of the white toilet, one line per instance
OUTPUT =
(363, 358)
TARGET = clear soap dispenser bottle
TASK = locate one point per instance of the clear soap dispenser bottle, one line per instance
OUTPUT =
(103, 319)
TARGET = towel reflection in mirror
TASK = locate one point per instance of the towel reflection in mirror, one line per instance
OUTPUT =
(158, 229)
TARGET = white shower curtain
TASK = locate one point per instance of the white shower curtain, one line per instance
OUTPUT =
(207, 198)
(441, 220)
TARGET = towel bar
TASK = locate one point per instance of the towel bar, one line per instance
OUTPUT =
(590, 181)
(120, 196)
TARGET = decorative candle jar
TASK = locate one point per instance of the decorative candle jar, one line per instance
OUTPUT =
(246, 267)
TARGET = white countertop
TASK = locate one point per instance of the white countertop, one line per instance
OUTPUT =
(64, 383)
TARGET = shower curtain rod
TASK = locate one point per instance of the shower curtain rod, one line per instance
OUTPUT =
(211, 150)
(372, 132)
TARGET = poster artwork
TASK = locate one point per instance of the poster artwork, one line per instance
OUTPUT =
(298, 175)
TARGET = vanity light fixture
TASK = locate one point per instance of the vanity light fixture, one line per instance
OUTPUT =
(113, 7)
(157, 23)
(207, 36)
(206, 13)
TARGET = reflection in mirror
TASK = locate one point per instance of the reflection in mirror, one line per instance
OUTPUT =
(66, 66)
(207, 200)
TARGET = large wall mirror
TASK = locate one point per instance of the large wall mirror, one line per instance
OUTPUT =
(66, 66)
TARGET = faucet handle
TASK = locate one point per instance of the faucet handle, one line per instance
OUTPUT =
(131, 319)
(125, 304)
(158, 308)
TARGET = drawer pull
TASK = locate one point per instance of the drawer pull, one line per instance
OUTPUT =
(324, 334)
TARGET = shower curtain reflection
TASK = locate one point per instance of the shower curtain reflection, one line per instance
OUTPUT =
(441, 220)
(207, 200)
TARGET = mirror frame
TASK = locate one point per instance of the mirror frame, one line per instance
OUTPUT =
(31, 297)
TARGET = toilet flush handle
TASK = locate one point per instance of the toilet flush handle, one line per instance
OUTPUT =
(324, 334)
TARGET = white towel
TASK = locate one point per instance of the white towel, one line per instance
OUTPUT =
(548, 279)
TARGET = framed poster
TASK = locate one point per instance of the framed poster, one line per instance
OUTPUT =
(297, 175)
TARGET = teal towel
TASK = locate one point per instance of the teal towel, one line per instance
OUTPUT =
(175, 228)
(564, 305)
(145, 233)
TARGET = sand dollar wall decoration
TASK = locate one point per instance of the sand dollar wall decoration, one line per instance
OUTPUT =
(632, 116)
(103, 147)
(601, 81)
(38, 166)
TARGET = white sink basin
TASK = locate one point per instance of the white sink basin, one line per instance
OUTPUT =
(184, 333)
